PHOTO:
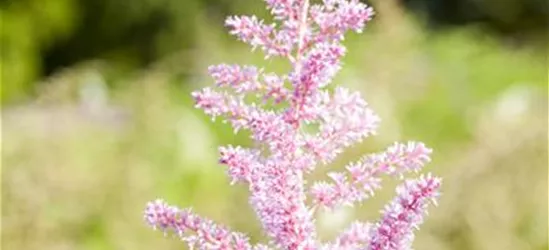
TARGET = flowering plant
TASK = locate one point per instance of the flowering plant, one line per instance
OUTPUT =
(310, 127)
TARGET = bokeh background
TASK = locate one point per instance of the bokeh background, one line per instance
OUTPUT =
(97, 117)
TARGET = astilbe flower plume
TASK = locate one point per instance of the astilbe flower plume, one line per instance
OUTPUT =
(310, 37)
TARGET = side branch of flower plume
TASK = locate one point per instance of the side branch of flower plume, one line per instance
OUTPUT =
(404, 214)
(365, 175)
(251, 80)
(193, 229)
(344, 119)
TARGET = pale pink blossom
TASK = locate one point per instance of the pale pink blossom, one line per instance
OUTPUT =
(298, 124)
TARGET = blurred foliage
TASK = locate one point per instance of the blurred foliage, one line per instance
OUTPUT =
(510, 17)
(40, 37)
(97, 139)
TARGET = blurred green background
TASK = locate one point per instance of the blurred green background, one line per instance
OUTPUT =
(97, 117)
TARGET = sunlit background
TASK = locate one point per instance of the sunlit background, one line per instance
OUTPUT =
(97, 118)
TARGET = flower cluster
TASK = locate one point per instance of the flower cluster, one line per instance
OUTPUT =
(310, 37)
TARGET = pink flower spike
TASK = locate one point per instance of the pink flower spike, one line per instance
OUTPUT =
(297, 123)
